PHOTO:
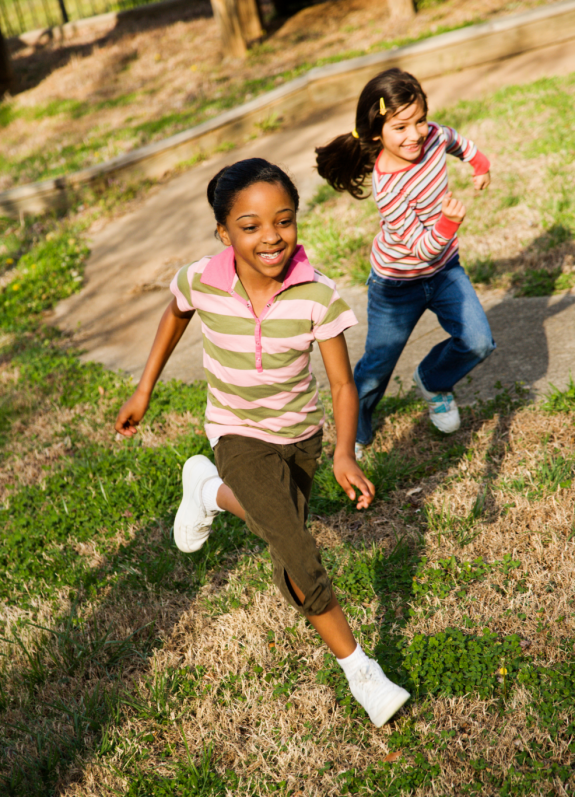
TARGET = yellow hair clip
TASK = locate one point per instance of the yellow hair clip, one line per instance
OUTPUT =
(354, 133)
(382, 106)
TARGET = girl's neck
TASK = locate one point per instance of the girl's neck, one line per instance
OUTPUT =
(389, 164)
(259, 287)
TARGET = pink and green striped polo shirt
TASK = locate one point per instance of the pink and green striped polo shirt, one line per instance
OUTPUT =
(260, 382)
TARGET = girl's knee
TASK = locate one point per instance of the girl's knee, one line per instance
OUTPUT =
(482, 346)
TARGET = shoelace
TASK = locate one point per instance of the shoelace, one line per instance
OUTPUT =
(367, 674)
(442, 402)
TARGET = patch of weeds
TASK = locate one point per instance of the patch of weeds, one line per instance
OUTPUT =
(452, 574)
(554, 472)
(506, 402)
(464, 527)
(401, 403)
(285, 674)
(452, 663)
(393, 780)
(270, 124)
(192, 778)
(50, 271)
(155, 699)
(482, 271)
(226, 146)
(387, 471)
(560, 400)
(537, 282)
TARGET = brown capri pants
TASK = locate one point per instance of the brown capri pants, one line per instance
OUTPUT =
(272, 483)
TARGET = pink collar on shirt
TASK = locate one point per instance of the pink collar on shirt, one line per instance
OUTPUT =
(221, 270)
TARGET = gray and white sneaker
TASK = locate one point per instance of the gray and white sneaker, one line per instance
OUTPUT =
(193, 522)
(443, 411)
(379, 696)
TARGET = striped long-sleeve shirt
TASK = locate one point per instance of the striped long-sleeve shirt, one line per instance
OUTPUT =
(260, 382)
(416, 240)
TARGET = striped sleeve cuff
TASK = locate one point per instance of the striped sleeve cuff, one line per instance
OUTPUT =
(333, 328)
(181, 290)
(480, 163)
(446, 228)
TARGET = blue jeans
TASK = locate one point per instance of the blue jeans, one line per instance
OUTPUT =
(393, 309)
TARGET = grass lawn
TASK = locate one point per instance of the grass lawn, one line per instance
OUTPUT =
(108, 91)
(130, 668)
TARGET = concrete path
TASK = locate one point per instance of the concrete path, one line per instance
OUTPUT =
(115, 316)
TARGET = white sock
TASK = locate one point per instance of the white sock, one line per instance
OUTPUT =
(352, 663)
(210, 494)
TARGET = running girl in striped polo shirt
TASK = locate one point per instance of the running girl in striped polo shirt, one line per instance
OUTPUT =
(414, 258)
(262, 306)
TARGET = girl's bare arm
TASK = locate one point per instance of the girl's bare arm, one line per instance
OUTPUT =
(171, 328)
(345, 410)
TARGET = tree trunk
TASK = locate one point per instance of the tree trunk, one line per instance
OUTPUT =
(401, 9)
(5, 68)
(250, 20)
(227, 17)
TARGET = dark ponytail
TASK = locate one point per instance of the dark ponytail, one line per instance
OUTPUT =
(224, 187)
(348, 160)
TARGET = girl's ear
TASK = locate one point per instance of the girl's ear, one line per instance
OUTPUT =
(223, 235)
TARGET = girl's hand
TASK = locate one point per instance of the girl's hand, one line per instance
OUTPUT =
(349, 475)
(481, 181)
(131, 414)
(452, 209)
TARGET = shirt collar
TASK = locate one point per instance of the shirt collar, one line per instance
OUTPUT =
(221, 270)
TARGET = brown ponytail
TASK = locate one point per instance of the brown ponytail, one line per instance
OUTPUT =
(347, 161)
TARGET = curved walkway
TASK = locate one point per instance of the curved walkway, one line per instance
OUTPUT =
(115, 316)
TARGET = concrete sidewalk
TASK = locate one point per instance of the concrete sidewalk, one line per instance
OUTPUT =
(115, 316)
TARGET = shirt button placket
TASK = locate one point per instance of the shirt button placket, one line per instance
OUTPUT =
(259, 345)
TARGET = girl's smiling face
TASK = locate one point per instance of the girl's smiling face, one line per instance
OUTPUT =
(262, 228)
(403, 136)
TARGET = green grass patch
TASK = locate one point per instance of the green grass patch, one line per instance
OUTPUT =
(561, 400)
(555, 471)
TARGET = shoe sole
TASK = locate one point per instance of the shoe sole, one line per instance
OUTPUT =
(391, 707)
(181, 537)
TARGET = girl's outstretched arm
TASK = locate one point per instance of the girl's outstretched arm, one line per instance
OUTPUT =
(345, 409)
(171, 328)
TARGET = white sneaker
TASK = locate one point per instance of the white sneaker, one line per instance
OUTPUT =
(379, 696)
(193, 522)
(443, 411)
(359, 451)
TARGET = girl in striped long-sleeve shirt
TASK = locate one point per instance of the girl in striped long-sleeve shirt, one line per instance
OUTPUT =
(414, 258)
